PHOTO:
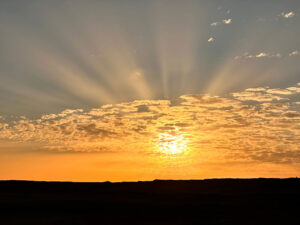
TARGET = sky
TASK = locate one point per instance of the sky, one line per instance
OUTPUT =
(156, 89)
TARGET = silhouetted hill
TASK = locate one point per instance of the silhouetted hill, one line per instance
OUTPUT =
(214, 201)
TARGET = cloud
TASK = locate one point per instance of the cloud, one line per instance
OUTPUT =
(227, 21)
(294, 89)
(214, 24)
(288, 15)
(224, 21)
(211, 39)
(269, 55)
(243, 126)
(256, 89)
(262, 54)
(246, 55)
(279, 91)
(255, 96)
(294, 53)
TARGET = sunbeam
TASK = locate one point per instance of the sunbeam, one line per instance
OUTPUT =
(149, 89)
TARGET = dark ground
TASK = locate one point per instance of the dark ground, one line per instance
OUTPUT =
(216, 201)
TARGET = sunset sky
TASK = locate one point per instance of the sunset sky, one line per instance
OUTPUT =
(125, 90)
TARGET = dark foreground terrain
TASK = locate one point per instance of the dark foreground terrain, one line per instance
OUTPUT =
(217, 201)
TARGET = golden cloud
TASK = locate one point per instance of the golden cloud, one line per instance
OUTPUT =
(257, 124)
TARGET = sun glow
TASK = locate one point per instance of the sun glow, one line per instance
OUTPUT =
(171, 144)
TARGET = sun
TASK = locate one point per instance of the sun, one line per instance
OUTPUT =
(171, 144)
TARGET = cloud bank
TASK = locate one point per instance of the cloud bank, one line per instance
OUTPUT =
(257, 124)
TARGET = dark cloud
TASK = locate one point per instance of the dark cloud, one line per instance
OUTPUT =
(142, 108)
(93, 131)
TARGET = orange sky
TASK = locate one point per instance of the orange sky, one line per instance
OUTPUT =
(246, 134)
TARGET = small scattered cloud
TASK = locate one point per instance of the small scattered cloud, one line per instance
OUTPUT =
(224, 21)
(294, 89)
(214, 24)
(227, 21)
(279, 91)
(246, 55)
(269, 55)
(256, 96)
(288, 14)
(262, 54)
(211, 39)
(294, 53)
(256, 89)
